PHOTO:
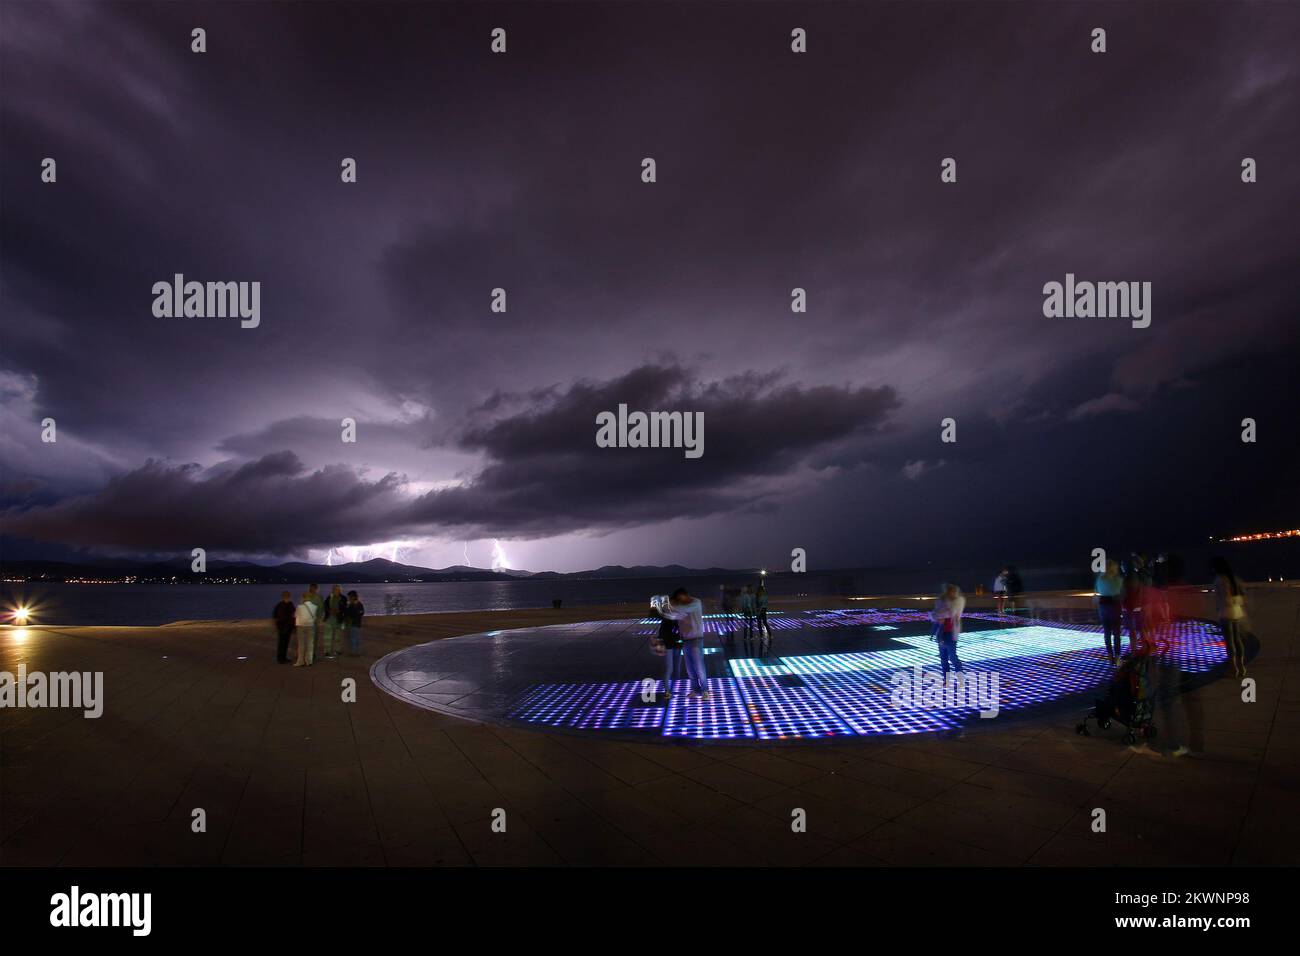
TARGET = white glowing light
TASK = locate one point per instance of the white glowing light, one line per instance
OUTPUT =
(499, 559)
(359, 554)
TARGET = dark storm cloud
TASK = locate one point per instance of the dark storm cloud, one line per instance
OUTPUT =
(269, 506)
(545, 475)
(522, 172)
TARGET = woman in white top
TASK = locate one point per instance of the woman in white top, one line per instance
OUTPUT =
(1230, 602)
(304, 619)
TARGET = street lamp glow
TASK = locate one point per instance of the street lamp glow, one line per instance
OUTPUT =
(20, 615)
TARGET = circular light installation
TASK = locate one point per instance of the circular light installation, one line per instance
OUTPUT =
(825, 674)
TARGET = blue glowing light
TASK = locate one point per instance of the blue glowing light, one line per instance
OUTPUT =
(851, 693)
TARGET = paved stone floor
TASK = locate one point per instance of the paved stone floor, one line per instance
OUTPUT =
(289, 774)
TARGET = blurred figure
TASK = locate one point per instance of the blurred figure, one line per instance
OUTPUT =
(669, 640)
(948, 608)
(688, 612)
(353, 615)
(1015, 587)
(1230, 603)
(760, 608)
(747, 613)
(1177, 713)
(1109, 586)
(1132, 600)
(727, 599)
(335, 608)
(1000, 591)
(282, 615)
(305, 623)
(317, 602)
(1156, 619)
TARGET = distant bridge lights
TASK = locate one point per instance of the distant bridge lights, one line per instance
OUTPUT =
(1263, 536)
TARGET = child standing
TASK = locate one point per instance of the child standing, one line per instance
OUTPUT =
(948, 608)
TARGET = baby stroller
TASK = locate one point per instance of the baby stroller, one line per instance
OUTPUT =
(1128, 700)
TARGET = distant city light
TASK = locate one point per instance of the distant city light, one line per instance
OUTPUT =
(1264, 536)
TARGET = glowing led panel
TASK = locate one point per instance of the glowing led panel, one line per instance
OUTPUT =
(826, 674)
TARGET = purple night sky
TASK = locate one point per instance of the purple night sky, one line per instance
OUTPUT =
(523, 171)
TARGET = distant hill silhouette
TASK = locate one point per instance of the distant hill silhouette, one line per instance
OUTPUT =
(374, 571)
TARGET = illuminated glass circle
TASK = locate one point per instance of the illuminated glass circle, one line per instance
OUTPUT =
(824, 674)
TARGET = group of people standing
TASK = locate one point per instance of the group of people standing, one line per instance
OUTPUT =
(1133, 596)
(1129, 596)
(752, 606)
(326, 622)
